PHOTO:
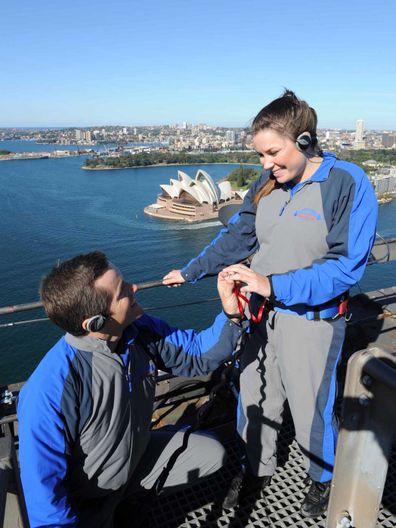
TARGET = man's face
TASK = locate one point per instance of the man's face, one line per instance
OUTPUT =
(124, 308)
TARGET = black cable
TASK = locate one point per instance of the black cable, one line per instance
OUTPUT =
(150, 308)
(203, 411)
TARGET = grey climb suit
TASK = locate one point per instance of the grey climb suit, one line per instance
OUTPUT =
(313, 239)
(85, 417)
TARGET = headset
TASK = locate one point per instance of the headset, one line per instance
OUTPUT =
(304, 141)
(96, 323)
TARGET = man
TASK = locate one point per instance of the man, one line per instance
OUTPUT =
(85, 413)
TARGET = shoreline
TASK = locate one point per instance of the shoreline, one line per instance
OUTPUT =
(170, 165)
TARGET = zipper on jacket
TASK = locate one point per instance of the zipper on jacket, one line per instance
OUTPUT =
(126, 369)
(129, 380)
(284, 206)
(291, 196)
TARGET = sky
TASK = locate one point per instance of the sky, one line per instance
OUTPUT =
(135, 62)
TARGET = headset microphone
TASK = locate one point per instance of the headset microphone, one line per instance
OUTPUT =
(304, 141)
(96, 323)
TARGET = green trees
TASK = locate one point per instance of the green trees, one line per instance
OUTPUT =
(166, 158)
(242, 177)
(384, 156)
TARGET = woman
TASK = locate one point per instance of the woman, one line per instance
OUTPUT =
(310, 220)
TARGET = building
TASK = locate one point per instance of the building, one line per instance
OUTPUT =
(193, 200)
(359, 137)
(388, 140)
(385, 181)
(230, 137)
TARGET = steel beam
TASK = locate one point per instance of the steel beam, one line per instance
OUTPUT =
(365, 440)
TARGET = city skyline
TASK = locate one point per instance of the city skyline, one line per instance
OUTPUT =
(90, 64)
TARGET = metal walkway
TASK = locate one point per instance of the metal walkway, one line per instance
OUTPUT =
(276, 507)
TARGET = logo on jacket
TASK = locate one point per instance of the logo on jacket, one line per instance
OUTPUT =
(307, 214)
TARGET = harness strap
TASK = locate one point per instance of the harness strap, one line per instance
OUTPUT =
(255, 318)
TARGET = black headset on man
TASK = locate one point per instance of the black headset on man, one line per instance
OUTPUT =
(96, 323)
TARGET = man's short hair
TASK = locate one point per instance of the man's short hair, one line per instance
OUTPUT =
(69, 294)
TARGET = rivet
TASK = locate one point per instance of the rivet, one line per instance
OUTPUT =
(364, 400)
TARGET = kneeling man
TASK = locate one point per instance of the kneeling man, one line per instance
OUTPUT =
(85, 413)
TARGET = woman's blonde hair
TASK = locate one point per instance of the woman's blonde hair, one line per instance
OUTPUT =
(289, 116)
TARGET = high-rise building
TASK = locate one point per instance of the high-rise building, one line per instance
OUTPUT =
(389, 140)
(230, 136)
(359, 138)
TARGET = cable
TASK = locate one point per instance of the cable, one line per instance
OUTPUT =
(386, 258)
(26, 321)
(150, 308)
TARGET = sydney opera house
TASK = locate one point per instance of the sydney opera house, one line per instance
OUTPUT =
(193, 200)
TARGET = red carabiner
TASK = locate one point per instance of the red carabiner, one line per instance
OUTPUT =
(239, 296)
(343, 306)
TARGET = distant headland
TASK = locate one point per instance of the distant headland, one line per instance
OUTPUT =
(165, 157)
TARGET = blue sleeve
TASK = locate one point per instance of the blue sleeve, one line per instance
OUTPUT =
(42, 459)
(350, 239)
(234, 243)
(191, 353)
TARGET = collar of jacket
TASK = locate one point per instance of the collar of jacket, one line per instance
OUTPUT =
(324, 168)
(93, 344)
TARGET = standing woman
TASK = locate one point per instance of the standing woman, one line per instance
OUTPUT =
(310, 221)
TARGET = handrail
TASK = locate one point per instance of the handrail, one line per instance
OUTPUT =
(38, 304)
(381, 372)
(145, 308)
(390, 244)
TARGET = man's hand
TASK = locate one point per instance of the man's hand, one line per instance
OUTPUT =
(173, 278)
(225, 286)
(253, 282)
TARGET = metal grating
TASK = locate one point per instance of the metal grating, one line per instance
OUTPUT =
(276, 507)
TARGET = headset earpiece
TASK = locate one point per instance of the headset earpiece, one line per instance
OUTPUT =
(96, 323)
(304, 141)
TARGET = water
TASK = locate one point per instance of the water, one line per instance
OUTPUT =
(51, 209)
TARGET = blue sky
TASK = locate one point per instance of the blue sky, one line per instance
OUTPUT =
(133, 62)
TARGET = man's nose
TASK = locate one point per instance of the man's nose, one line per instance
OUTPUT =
(133, 288)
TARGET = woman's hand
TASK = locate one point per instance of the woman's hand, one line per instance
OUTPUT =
(173, 278)
(253, 282)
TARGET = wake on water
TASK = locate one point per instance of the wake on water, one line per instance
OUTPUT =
(201, 225)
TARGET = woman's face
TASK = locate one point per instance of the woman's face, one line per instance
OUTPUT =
(280, 154)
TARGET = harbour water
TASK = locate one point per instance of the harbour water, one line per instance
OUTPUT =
(51, 210)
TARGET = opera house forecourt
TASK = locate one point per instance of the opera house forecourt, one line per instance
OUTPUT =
(193, 200)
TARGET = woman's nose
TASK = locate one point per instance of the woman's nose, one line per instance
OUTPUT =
(267, 163)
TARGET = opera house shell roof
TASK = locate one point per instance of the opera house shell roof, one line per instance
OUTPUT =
(193, 200)
(202, 189)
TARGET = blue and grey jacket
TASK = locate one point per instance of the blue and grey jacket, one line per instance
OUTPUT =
(85, 413)
(313, 238)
